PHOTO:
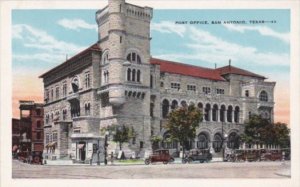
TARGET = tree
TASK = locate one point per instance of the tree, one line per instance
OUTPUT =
(182, 124)
(262, 131)
(121, 134)
(282, 135)
(255, 130)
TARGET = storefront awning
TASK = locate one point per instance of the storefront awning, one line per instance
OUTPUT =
(80, 146)
(51, 144)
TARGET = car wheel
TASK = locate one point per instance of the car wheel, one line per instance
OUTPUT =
(147, 161)
(190, 160)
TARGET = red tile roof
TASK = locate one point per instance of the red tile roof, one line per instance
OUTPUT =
(234, 70)
(196, 71)
(94, 47)
(188, 70)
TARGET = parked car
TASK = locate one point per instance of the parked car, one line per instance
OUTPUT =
(160, 155)
(272, 155)
(202, 155)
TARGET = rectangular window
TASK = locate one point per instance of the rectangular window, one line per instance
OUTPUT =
(57, 93)
(54, 138)
(64, 90)
(247, 93)
(52, 94)
(191, 88)
(47, 138)
(77, 130)
(38, 135)
(175, 86)
(46, 95)
(206, 90)
(120, 39)
(87, 80)
(220, 91)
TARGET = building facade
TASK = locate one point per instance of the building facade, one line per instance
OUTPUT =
(30, 128)
(117, 82)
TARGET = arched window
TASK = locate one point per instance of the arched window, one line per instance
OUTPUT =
(183, 103)
(134, 58)
(151, 81)
(105, 76)
(202, 141)
(222, 113)
(38, 124)
(167, 143)
(229, 114)
(128, 74)
(133, 75)
(215, 113)
(75, 84)
(105, 58)
(263, 96)
(200, 106)
(236, 114)
(165, 108)
(174, 104)
(207, 112)
(138, 76)
(87, 109)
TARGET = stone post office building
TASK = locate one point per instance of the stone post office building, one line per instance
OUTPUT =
(116, 81)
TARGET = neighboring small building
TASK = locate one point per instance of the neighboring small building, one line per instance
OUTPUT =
(31, 124)
(15, 128)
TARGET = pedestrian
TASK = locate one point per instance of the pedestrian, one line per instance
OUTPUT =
(112, 158)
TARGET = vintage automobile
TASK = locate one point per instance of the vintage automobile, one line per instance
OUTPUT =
(160, 155)
(246, 155)
(272, 155)
(202, 155)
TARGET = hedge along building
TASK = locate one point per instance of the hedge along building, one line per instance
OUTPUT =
(115, 81)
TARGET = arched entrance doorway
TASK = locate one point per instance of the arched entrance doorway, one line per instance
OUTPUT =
(233, 141)
(81, 151)
(217, 143)
(202, 141)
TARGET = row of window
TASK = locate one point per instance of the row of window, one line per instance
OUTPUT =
(49, 93)
(214, 113)
(133, 75)
(51, 137)
(75, 112)
(206, 90)
(132, 57)
(263, 95)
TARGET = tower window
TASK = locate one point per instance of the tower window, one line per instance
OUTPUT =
(247, 93)
(263, 96)
(134, 58)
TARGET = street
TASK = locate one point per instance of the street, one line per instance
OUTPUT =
(195, 170)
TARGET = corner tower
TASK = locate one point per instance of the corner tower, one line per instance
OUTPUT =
(124, 38)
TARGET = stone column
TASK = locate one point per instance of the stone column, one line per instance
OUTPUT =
(232, 116)
(225, 116)
(210, 114)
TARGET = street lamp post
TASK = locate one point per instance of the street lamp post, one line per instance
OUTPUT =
(105, 147)
(224, 136)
